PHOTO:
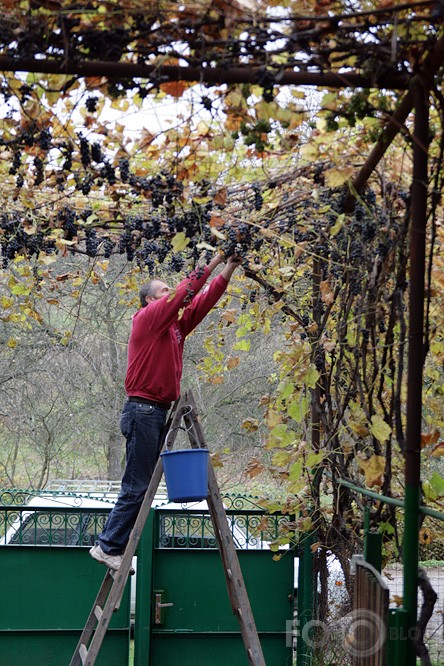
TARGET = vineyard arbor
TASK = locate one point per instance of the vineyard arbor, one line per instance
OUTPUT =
(241, 52)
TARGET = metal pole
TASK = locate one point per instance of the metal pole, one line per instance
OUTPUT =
(415, 356)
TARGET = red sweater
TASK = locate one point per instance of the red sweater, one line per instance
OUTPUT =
(157, 337)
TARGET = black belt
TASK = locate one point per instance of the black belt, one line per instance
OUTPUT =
(153, 403)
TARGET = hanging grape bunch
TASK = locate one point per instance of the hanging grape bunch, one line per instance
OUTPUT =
(161, 197)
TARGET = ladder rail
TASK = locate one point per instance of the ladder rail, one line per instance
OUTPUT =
(236, 588)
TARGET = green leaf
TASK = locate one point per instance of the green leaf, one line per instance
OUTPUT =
(434, 487)
(386, 528)
(297, 409)
(281, 458)
(295, 471)
(312, 376)
(243, 345)
(20, 289)
(314, 459)
(336, 228)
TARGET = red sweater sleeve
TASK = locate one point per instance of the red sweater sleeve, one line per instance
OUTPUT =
(164, 311)
(202, 304)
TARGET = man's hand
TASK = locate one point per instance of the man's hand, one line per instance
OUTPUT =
(215, 261)
(233, 262)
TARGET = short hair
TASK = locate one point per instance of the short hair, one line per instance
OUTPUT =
(146, 290)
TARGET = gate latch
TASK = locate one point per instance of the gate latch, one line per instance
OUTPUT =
(158, 608)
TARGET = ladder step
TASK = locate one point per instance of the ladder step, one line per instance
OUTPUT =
(98, 612)
(83, 653)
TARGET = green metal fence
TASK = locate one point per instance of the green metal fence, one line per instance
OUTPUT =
(48, 583)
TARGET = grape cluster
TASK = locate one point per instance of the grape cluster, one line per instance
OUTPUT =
(68, 218)
(16, 162)
(14, 240)
(96, 152)
(107, 172)
(67, 164)
(177, 263)
(92, 242)
(108, 247)
(124, 170)
(258, 198)
(86, 184)
(239, 240)
(85, 152)
(206, 103)
(319, 359)
(39, 175)
(91, 104)
(45, 140)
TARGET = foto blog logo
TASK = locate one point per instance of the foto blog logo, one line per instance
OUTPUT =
(361, 633)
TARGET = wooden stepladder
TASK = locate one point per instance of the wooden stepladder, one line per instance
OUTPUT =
(112, 588)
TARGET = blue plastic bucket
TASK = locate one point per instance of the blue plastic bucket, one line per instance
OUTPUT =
(186, 474)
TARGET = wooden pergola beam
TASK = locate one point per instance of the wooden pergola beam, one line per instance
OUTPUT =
(207, 75)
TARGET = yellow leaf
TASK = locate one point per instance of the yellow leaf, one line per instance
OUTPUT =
(337, 177)
(373, 469)
(328, 345)
(12, 342)
(215, 460)
(179, 241)
(273, 418)
(380, 429)
(205, 246)
(438, 450)
(229, 316)
(218, 234)
(220, 197)
(6, 302)
(174, 88)
(336, 228)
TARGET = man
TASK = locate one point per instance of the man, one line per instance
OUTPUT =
(152, 383)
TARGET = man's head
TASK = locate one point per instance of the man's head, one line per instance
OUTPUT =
(152, 291)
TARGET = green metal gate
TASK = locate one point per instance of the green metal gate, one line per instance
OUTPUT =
(183, 614)
(48, 587)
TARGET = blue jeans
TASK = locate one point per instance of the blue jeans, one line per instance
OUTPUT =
(142, 425)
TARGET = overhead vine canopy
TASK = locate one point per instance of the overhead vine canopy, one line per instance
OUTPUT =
(375, 39)
(70, 171)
